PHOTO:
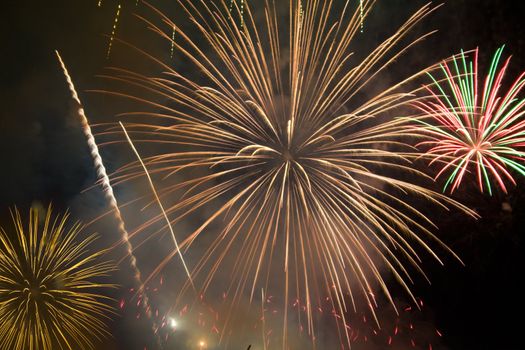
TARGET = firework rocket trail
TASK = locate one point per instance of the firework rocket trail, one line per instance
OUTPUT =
(106, 185)
(150, 181)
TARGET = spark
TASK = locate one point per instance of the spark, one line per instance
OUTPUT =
(173, 323)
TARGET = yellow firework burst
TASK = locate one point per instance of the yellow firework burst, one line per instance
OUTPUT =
(306, 179)
(48, 285)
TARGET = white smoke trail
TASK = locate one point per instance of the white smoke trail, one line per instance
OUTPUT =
(108, 190)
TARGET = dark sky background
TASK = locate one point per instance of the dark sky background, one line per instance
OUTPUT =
(44, 157)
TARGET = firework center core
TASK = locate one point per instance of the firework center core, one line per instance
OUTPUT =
(287, 155)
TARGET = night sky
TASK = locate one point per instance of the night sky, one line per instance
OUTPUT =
(44, 157)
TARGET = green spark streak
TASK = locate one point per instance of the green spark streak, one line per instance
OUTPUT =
(115, 24)
(172, 42)
(241, 10)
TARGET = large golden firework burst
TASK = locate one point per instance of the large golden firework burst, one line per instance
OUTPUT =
(48, 285)
(306, 180)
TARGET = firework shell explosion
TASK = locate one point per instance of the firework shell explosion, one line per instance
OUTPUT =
(49, 294)
(473, 127)
(300, 176)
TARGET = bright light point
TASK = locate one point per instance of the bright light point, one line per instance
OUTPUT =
(202, 343)
(173, 323)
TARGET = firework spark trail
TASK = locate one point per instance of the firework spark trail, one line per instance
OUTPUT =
(241, 10)
(107, 188)
(113, 31)
(471, 128)
(303, 173)
(150, 181)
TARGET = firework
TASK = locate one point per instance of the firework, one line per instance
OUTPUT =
(308, 183)
(474, 128)
(48, 285)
